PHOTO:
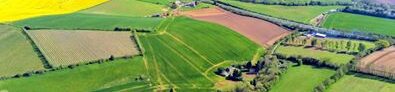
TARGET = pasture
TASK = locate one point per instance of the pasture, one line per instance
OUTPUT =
(13, 10)
(360, 23)
(62, 48)
(317, 54)
(261, 32)
(133, 8)
(89, 22)
(301, 14)
(16, 53)
(361, 83)
(301, 79)
(95, 77)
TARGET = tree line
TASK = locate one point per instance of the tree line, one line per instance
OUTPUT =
(336, 46)
(372, 9)
(303, 3)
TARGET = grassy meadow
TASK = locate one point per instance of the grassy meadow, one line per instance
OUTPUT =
(301, 14)
(184, 59)
(125, 8)
(13, 10)
(301, 79)
(16, 53)
(361, 83)
(332, 57)
(360, 23)
(81, 79)
(162, 2)
(88, 21)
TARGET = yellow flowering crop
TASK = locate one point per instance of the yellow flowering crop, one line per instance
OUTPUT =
(12, 10)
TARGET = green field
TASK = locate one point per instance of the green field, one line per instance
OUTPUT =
(185, 59)
(126, 8)
(301, 79)
(296, 13)
(355, 83)
(322, 55)
(361, 23)
(161, 2)
(81, 79)
(173, 58)
(88, 21)
(16, 53)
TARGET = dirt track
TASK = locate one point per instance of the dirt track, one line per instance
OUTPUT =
(262, 32)
(379, 61)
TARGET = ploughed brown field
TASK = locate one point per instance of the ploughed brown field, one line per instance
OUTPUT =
(379, 63)
(62, 47)
(262, 32)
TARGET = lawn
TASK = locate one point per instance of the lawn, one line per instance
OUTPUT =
(88, 21)
(301, 14)
(13, 10)
(16, 53)
(322, 55)
(361, 23)
(361, 83)
(126, 8)
(301, 79)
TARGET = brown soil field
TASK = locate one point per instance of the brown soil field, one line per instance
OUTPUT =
(62, 47)
(262, 32)
(379, 62)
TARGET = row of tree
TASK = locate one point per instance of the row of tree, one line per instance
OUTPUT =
(366, 7)
(340, 72)
(301, 3)
(337, 46)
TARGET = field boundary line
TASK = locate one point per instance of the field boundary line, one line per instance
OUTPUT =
(216, 65)
(189, 47)
(39, 51)
(256, 57)
(378, 58)
(179, 73)
(135, 87)
(182, 56)
(158, 73)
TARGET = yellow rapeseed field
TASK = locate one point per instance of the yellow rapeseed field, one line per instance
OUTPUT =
(12, 10)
